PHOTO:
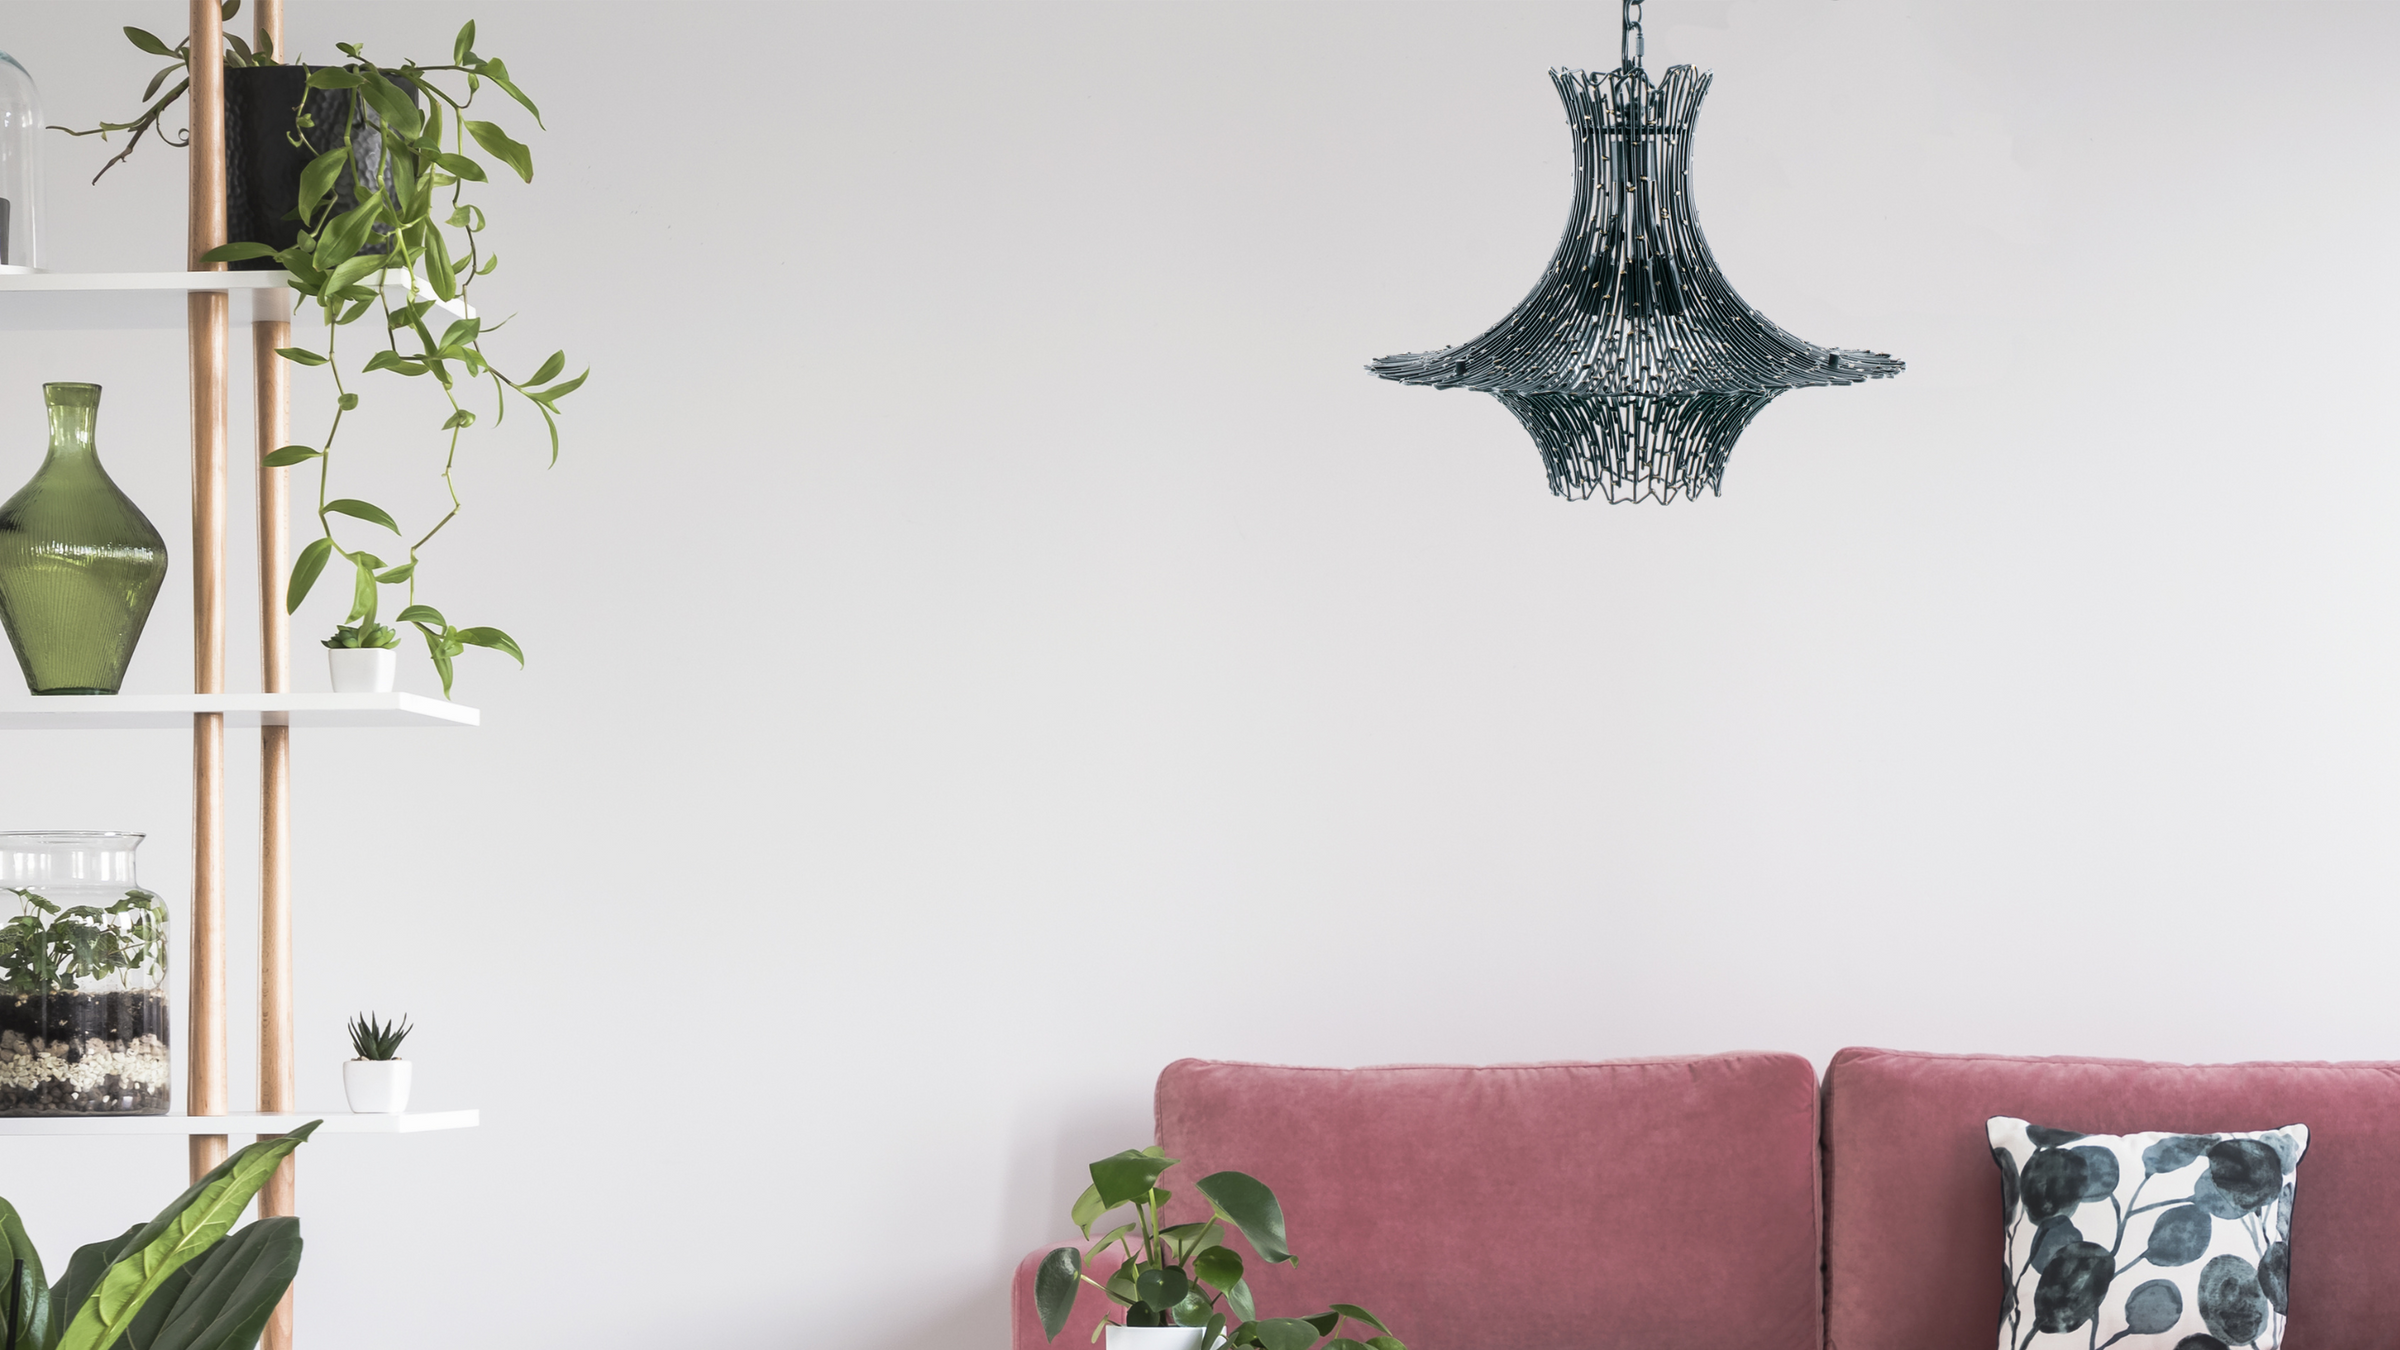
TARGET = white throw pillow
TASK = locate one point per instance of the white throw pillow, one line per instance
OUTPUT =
(2145, 1241)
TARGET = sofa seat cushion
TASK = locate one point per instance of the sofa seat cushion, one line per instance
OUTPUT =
(1657, 1203)
(1913, 1203)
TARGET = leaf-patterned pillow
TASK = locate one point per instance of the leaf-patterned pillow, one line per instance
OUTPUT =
(2145, 1241)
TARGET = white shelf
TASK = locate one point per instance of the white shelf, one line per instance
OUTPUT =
(104, 301)
(123, 712)
(245, 1122)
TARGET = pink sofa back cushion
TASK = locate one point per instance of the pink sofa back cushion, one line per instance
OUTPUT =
(1657, 1203)
(1912, 1198)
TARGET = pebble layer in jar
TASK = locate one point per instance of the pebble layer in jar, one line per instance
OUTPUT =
(82, 1076)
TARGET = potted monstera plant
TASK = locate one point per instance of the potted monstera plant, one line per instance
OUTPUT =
(1179, 1286)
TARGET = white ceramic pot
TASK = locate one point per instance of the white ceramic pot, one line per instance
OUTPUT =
(376, 1087)
(363, 670)
(1153, 1338)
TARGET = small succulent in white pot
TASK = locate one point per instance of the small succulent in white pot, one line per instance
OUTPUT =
(377, 1081)
(364, 657)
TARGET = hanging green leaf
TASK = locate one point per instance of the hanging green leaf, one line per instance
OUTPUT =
(305, 570)
(347, 232)
(289, 455)
(497, 73)
(422, 614)
(366, 511)
(149, 42)
(558, 391)
(391, 105)
(492, 638)
(438, 646)
(334, 77)
(318, 178)
(237, 252)
(550, 368)
(362, 589)
(387, 359)
(300, 355)
(497, 144)
(440, 272)
(394, 576)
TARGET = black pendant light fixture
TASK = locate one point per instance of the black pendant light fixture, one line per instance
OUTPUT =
(1633, 363)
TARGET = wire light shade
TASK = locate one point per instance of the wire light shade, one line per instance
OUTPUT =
(1633, 363)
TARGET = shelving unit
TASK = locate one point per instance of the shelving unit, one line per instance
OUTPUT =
(207, 298)
(133, 712)
(100, 301)
(246, 1122)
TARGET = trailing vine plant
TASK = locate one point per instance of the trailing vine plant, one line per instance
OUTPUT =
(352, 261)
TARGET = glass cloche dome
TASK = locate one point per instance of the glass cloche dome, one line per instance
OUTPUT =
(20, 169)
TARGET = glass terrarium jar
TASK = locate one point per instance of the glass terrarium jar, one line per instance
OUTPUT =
(20, 169)
(83, 978)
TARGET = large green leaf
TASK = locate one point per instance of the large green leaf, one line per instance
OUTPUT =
(1218, 1267)
(1253, 1208)
(32, 1328)
(142, 1334)
(1130, 1175)
(233, 1290)
(1237, 1298)
(1087, 1210)
(83, 1272)
(1352, 1310)
(1162, 1287)
(1284, 1333)
(1054, 1284)
(184, 1230)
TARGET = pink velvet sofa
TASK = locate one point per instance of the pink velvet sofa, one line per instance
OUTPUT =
(1731, 1202)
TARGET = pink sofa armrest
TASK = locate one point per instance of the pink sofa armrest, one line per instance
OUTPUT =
(1091, 1306)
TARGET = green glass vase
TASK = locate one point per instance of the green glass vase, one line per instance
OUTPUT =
(79, 562)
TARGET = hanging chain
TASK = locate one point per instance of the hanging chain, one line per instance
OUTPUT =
(1629, 45)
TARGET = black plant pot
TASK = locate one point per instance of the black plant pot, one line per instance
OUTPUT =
(262, 165)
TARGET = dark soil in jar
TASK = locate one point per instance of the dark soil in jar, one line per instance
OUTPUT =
(84, 1054)
(115, 1015)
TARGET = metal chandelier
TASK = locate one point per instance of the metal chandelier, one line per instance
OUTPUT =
(1633, 363)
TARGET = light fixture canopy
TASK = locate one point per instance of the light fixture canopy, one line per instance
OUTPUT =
(1633, 364)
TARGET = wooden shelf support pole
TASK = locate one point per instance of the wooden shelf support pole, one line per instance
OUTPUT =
(277, 1075)
(204, 1027)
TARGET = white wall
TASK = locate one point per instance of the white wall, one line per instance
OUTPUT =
(990, 638)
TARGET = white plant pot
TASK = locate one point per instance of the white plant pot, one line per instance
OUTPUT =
(1153, 1338)
(376, 1087)
(363, 670)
